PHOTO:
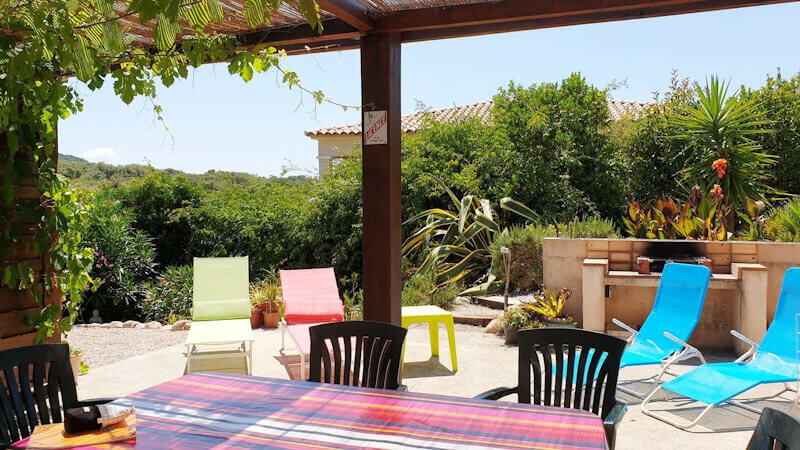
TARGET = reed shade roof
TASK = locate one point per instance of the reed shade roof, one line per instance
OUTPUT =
(287, 16)
(234, 22)
(345, 22)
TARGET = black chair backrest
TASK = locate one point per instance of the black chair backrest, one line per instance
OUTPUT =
(34, 378)
(372, 358)
(775, 426)
(552, 353)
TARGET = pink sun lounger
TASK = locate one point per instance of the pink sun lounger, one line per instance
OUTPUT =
(310, 297)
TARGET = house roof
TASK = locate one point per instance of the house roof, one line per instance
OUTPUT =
(412, 122)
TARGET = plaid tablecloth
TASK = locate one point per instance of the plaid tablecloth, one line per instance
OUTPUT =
(223, 411)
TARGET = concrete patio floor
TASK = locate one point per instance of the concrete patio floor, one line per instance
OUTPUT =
(484, 363)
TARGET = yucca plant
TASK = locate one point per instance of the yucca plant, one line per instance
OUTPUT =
(721, 127)
(455, 244)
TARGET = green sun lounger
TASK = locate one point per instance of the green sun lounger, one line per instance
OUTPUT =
(220, 329)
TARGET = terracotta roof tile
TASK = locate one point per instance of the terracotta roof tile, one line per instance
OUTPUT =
(413, 122)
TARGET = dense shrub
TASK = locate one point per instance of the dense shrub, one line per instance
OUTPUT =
(590, 227)
(562, 161)
(169, 297)
(124, 259)
(330, 234)
(422, 290)
(525, 245)
(779, 102)
(262, 224)
(152, 201)
(783, 224)
(651, 158)
(468, 157)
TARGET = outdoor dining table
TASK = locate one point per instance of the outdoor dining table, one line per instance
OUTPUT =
(218, 410)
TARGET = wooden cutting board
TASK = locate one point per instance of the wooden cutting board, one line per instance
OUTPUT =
(53, 436)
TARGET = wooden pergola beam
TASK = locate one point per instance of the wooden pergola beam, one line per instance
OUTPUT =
(292, 36)
(350, 11)
(656, 9)
(525, 14)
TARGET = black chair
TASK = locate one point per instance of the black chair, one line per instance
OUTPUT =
(372, 358)
(33, 377)
(776, 427)
(560, 359)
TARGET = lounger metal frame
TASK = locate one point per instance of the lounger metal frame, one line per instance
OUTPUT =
(687, 352)
(746, 357)
(284, 330)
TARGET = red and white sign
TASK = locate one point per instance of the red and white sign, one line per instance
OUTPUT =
(375, 127)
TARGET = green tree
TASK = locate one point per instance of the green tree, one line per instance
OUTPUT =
(467, 156)
(779, 103)
(562, 162)
(650, 161)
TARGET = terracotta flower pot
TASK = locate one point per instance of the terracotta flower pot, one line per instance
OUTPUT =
(271, 319)
(256, 319)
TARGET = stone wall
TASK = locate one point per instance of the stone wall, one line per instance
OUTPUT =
(563, 267)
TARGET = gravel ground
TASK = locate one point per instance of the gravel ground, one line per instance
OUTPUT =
(103, 346)
(465, 306)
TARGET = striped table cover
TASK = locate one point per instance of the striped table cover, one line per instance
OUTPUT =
(216, 410)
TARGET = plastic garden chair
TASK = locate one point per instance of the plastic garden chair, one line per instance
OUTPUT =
(433, 315)
(774, 361)
(372, 358)
(773, 427)
(559, 360)
(37, 387)
(220, 314)
(675, 314)
(310, 297)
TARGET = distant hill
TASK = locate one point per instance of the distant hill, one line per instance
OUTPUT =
(62, 157)
(96, 176)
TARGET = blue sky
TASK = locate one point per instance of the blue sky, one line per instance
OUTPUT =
(219, 122)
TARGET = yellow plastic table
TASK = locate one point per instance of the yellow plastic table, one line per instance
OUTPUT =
(433, 315)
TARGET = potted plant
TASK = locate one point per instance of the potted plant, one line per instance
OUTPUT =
(514, 319)
(79, 366)
(550, 305)
(256, 316)
(267, 298)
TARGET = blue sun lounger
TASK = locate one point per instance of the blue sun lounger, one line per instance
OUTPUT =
(676, 311)
(774, 361)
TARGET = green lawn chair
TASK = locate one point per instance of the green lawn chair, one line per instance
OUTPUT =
(220, 332)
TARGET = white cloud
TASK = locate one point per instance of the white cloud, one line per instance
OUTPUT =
(104, 154)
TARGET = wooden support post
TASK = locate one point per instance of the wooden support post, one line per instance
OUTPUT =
(380, 91)
(594, 296)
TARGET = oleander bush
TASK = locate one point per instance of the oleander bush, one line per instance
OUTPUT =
(169, 296)
(124, 259)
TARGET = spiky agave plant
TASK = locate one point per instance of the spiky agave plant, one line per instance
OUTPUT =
(455, 244)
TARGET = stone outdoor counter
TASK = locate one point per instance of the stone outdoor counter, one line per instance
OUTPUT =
(742, 294)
